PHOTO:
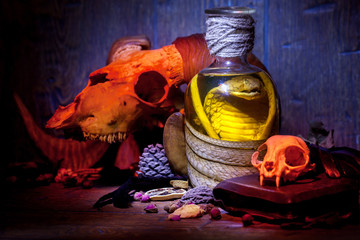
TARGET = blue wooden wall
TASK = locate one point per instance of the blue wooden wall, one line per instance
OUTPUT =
(311, 48)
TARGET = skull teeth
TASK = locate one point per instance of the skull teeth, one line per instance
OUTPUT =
(110, 138)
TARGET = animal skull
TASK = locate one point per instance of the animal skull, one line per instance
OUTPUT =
(138, 88)
(133, 88)
(286, 157)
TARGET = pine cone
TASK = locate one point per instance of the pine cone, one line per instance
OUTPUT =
(154, 163)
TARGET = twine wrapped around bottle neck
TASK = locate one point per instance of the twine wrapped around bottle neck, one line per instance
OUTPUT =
(230, 36)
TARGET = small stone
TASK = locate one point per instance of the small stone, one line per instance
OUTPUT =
(172, 208)
(167, 208)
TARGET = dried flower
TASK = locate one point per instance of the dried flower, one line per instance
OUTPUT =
(151, 208)
(174, 217)
(138, 196)
(215, 213)
(145, 198)
(247, 220)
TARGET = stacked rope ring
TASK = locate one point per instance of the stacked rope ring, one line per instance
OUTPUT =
(211, 161)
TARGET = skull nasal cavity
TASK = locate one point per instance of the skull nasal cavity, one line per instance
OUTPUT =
(269, 166)
(294, 157)
(151, 86)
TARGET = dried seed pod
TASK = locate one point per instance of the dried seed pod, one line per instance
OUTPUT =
(198, 195)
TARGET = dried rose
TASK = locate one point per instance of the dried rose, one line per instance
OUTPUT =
(174, 217)
(247, 219)
(145, 198)
(151, 208)
(215, 213)
(138, 196)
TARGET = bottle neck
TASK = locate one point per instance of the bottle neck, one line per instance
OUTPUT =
(238, 64)
(230, 62)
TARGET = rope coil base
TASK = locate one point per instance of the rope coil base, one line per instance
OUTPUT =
(211, 161)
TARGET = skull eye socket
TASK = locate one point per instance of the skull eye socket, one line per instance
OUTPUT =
(151, 86)
(294, 156)
(262, 152)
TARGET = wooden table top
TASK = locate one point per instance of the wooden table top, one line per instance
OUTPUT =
(55, 212)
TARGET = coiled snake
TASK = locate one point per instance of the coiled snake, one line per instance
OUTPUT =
(237, 116)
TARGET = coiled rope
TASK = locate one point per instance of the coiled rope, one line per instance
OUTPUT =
(230, 36)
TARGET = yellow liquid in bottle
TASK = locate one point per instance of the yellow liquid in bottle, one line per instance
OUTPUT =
(233, 107)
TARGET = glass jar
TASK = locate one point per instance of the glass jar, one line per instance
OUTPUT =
(232, 100)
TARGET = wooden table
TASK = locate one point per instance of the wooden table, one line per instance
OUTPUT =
(55, 212)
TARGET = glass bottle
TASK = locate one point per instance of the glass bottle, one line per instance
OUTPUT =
(232, 100)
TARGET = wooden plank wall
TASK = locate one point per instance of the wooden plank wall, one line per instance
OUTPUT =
(313, 54)
(311, 48)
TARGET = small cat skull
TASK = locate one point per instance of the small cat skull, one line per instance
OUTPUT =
(286, 157)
